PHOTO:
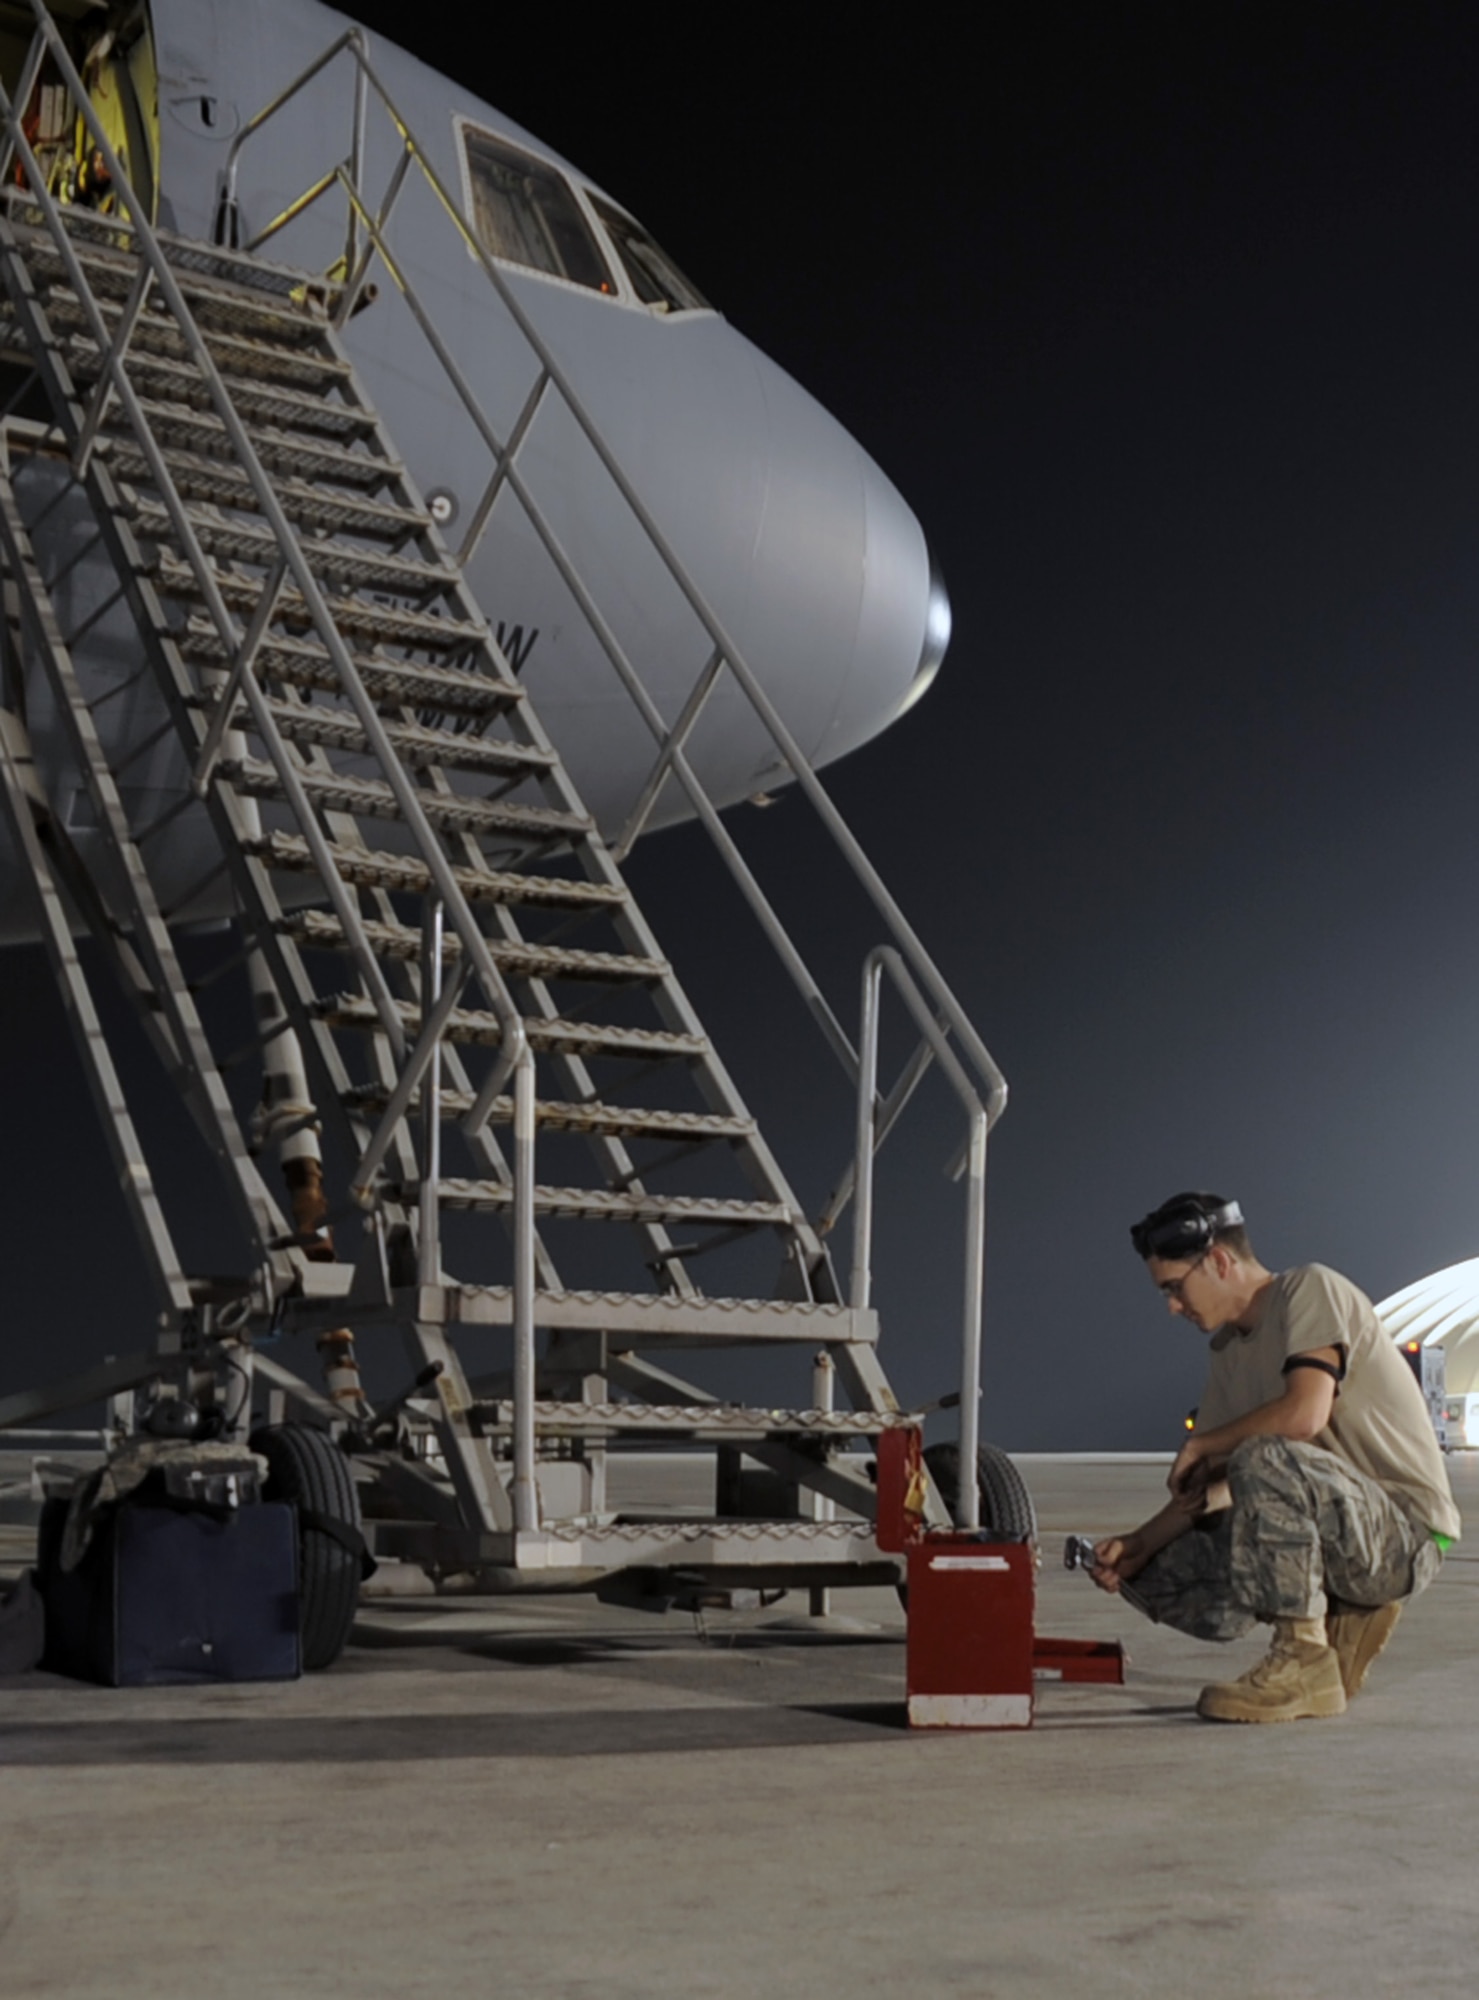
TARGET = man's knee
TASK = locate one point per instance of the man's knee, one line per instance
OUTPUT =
(1263, 1464)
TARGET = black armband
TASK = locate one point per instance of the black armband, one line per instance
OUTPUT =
(1313, 1361)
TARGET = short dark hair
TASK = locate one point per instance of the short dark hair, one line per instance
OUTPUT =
(1190, 1223)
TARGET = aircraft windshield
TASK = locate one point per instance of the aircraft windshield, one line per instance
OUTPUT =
(524, 213)
(655, 278)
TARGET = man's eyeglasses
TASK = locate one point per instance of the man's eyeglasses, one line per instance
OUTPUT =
(1170, 1288)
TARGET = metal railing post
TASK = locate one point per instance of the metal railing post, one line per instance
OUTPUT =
(981, 1117)
(429, 1246)
(823, 1397)
(357, 164)
(862, 1214)
(969, 1501)
(525, 1483)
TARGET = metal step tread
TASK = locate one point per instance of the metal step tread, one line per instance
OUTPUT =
(632, 1319)
(777, 1554)
(247, 270)
(183, 429)
(703, 1422)
(604, 1204)
(359, 618)
(240, 301)
(372, 868)
(96, 237)
(294, 413)
(325, 510)
(336, 792)
(727, 1541)
(321, 930)
(597, 1119)
(304, 663)
(217, 309)
(476, 1024)
(417, 745)
(253, 541)
(235, 355)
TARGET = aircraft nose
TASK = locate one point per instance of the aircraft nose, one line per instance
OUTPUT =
(936, 641)
(902, 626)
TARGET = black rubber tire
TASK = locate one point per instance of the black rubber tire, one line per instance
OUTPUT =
(1006, 1505)
(308, 1468)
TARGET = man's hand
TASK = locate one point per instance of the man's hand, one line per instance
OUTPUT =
(1118, 1558)
(1191, 1475)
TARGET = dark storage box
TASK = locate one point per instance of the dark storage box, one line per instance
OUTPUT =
(165, 1595)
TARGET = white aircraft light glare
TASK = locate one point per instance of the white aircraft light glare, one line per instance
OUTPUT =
(937, 624)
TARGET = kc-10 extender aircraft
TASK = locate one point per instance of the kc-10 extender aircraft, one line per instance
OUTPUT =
(392, 535)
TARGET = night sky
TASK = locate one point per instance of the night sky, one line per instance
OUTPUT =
(1164, 319)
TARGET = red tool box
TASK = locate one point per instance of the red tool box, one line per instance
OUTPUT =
(974, 1655)
(970, 1633)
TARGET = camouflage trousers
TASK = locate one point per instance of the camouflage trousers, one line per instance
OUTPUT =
(1303, 1527)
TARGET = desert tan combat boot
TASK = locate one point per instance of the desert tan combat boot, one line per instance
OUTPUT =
(1358, 1632)
(1299, 1676)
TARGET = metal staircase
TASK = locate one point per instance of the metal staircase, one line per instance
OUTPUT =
(449, 977)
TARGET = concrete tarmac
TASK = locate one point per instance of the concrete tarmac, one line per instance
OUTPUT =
(552, 1798)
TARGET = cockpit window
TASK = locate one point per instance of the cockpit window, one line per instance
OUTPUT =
(655, 278)
(524, 213)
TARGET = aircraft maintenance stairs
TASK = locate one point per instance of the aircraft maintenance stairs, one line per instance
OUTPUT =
(446, 974)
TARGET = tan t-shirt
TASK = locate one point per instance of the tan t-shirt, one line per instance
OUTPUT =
(1379, 1422)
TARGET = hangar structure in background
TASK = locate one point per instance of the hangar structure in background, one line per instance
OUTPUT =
(252, 671)
(1439, 1314)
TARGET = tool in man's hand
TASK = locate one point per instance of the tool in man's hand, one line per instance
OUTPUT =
(1078, 1553)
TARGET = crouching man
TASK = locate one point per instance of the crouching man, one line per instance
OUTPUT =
(1311, 1496)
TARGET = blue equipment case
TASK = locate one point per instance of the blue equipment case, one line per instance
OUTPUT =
(167, 1595)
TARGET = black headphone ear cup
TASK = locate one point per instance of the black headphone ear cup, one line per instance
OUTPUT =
(1196, 1225)
(1185, 1227)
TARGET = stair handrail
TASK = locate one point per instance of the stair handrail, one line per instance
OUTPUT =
(353, 43)
(870, 1129)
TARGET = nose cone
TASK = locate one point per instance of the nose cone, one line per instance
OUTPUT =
(932, 649)
(936, 638)
(903, 621)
